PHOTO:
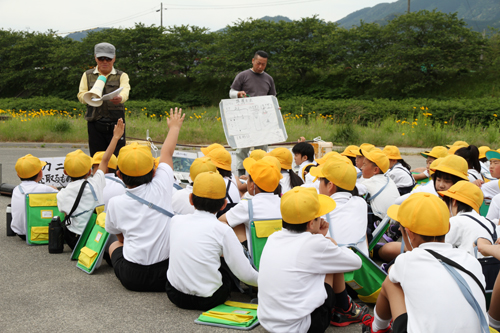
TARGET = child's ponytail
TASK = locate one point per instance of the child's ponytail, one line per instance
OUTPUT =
(295, 180)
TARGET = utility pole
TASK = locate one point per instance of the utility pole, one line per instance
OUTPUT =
(161, 14)
(408, 6)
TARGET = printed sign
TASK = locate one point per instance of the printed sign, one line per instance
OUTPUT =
(252, 121)
(53, 172)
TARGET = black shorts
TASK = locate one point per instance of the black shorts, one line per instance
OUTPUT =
(320, 318)
(400, 324)
(192, 302)
(70, 237)
(138, 277)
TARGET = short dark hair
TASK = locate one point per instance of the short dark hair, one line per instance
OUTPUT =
(208, 205)
(74, 179)
(298, 228)
(461, 206)
(261, 53)
(428, 239)
(111, 170)
(304, 149)
(225, 173)
(340, 189)
(31, 178)
(471, 155)
(137, 181)
(445, 176)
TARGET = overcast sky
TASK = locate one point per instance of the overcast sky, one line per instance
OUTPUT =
(69, 16)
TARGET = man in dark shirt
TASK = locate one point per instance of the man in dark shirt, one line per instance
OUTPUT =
(252, 82)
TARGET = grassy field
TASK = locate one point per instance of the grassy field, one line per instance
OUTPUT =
(203, 126)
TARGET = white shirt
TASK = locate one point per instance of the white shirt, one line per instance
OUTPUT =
(401, 176)
(474, 175)
(18, 203)
(349, 219)
(386, 198)
(266, 206)
(427, 188)
(285, 182)
(67, 196)
(197, 243)
(114, 187)
(292, 275)
(434, 302)
(464, 231)
(234, 193)
(180, 201)
(490, 189)
(494, 210)
(309, 182)
(145, 230)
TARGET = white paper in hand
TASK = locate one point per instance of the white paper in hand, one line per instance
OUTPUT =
(109, 96)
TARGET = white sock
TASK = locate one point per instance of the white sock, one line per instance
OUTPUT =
(379, 323)
(493, 322)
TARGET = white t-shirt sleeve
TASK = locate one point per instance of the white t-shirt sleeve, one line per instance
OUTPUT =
(494, 210)
(397, 270)
(110, 218)
(238, 214)
(490, 189)
(98, 181)
(329, 258)
(236, 260)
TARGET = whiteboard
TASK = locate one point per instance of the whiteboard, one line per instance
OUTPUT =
(53, 172)
(252, 121)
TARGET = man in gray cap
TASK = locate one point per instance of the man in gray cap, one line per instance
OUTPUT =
(101, 120)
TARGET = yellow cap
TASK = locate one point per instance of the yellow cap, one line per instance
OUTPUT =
(221, 158)
(77, 164)
(273, 160)
(209, 185)
(364, 146)
(202, 164)
(482, 151)
(326, 157)
(458, 144)
(304, 204)
(453, 149)
(113, 161)
(377, 157)
(434, 164)
(337, 171)
(423, 213)
(348, 151)
(284, 156)
(29, 166)
(436, 152)
(135, 160)
(466, 192)
(265, 174)
(207, 150)
(454, 165)
(392, 152)
(257, 154)
(493, 154)
(157, 161)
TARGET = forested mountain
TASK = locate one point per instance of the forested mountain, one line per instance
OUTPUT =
(479, 14)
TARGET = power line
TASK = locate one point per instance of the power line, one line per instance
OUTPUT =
(233, 5)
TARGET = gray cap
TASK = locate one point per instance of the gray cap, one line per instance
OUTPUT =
(104, 50)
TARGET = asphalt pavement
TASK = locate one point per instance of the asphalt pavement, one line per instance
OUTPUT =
(42, 292)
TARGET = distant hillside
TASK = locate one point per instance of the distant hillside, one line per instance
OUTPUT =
(78, 36)
(276, 18)
(479, 15)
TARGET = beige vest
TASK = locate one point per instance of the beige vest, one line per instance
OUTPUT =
(107, 109)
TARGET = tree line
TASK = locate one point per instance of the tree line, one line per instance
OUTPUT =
(308, 57)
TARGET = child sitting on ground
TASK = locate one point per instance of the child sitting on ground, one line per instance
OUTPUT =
(303, 154)
(198, 278)
(418, 286)
(301, 271)
(466, 225)
(141, 217)
(78, 166)
(180, 200)
(430, 156)
(290, 178)
(114, 185)
(399, 170)
(29, 170)
(263, 179)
